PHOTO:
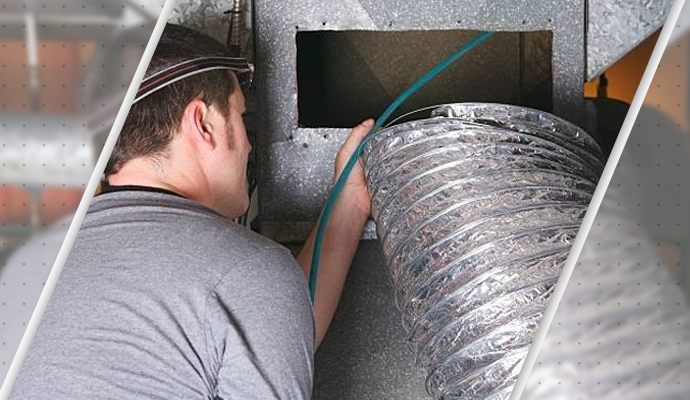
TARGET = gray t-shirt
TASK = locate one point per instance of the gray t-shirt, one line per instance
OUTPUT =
(162, 298)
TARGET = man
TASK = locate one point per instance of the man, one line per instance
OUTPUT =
(162, 296)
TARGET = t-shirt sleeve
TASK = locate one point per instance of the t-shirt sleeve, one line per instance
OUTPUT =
(261, 330)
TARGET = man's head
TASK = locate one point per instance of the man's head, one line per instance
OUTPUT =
(188, 137)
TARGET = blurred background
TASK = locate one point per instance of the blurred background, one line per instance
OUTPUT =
(64, 70)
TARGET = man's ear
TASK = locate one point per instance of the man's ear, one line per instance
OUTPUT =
(200, 125)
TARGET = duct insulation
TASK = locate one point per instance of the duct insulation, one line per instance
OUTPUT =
(476, 208)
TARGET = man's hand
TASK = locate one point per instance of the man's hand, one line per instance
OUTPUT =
(355, 189)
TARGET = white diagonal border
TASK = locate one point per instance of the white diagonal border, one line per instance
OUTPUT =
(84, 204)
(604, 182)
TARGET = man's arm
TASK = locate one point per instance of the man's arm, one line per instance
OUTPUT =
(342, 236)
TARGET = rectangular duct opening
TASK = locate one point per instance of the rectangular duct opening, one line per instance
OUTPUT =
(344, 77)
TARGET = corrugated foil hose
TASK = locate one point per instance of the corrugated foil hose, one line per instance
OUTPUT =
(476, 208)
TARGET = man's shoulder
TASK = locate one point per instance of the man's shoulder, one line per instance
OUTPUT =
(174, 226)
(157, 211)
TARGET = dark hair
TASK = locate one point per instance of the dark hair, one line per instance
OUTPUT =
(152, 122)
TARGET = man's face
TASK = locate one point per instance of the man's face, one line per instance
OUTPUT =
(231, 192)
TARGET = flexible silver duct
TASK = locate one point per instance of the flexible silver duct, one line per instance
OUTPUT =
(476, 208)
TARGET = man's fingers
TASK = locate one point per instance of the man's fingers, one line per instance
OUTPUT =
(363, 128)
(358, 133)
(351, 143)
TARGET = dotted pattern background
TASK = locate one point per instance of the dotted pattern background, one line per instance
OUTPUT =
(622, 329)
(55, 114)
